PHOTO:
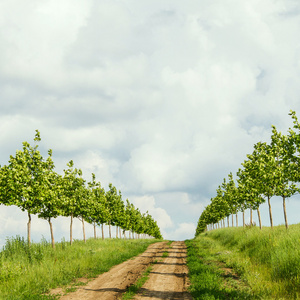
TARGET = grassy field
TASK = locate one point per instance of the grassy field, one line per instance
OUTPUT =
(246, 263)
(30, 272)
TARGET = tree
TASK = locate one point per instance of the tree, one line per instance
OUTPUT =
(51, 206)
(248, 183)
(114, 205)
(74, 191)
(128, 218)
(230, 195)
(264, 165)
(283, 149)
(98, 213)
(118, 212)
(26, 185)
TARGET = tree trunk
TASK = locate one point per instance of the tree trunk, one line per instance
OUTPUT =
(109, 229)
(227, 221)
(83, 230)
(270, 212)
(237, 222)
(124, 233)
(244, 218)
(251, 217)
(285, 216)
(232, 220)
(29, 229)
(102, 231)
(117, 231)
(259, 218)
(95, 233)
(224, 223)
(51, 232)
(120, 232)
(71, 230)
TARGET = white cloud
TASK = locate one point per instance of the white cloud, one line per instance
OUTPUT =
(184, 231)
(147, 203)
(159, 98)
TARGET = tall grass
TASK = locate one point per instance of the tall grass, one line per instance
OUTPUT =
(268, 259)
(30, 272)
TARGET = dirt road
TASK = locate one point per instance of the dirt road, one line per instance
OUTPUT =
(168, 278)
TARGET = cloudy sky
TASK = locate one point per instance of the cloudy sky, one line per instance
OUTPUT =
(161, 98)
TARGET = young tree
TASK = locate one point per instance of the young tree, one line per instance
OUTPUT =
(248, 183)
(98, 207)
(51, 206)
(74, 191)
(114, 205)
(25, 181)
(119, 212)
(230, 195)
(283, 149)
(263, 162)
(128, 220)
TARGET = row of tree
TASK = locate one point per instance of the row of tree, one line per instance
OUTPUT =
(30, 182)
(271, 170)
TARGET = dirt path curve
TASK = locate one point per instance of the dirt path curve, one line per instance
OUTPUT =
(168, 278)
(112, 284)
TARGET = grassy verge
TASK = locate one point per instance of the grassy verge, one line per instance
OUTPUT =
(210, 278)
(29, 273)
(268, 261)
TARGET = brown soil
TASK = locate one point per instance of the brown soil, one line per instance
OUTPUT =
(167, 280)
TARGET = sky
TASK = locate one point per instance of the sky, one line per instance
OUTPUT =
(163, 99)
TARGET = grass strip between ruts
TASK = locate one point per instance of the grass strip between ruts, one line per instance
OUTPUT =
(133, 289)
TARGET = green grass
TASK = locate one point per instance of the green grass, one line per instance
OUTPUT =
(266, 260)
(208, 280)
(30, 272)
(133, 289)
(165, 254)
